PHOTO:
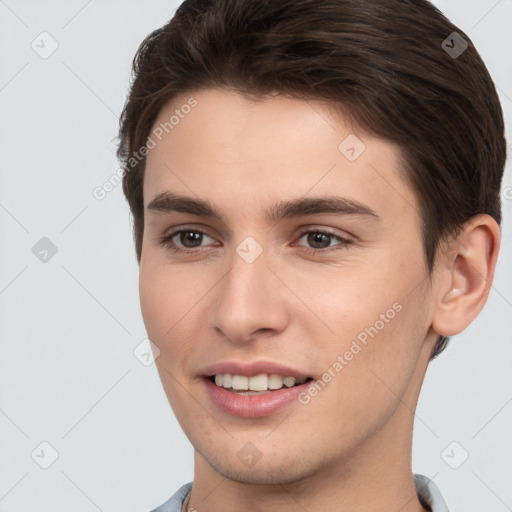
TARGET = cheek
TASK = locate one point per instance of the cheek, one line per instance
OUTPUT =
(165, 298)
(372, 325)
(365, 381)
(156, 303)
(351, 302)
(172, 300)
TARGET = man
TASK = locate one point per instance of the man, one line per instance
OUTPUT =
(314, 186)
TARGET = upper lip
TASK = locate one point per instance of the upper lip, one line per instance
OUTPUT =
(252, 369)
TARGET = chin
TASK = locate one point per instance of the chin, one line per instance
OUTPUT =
(269, 472)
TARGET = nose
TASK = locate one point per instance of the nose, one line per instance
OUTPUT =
(250, 301)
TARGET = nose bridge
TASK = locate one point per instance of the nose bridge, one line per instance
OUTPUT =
(246, 300)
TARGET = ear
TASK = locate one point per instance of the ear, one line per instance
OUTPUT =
(464, 274)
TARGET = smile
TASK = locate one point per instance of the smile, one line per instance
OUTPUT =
(258, 383)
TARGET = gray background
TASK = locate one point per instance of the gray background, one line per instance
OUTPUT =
(69, 376)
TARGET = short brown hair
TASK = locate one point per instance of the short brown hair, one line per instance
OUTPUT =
(382, 61)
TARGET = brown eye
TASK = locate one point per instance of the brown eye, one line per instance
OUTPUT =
(190, 237)
(321, 240)
(318, 240)
(184, 240)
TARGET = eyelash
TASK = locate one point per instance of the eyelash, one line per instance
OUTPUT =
(166, 241)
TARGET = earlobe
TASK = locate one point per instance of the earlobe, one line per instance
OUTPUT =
(466, 270)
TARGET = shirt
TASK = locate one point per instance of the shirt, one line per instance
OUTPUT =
(428, 493)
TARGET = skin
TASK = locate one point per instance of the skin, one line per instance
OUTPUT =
(349, 448)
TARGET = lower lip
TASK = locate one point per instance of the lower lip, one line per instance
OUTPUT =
(253, 406)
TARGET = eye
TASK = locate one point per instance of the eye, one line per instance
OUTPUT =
(321, 241)
(188, 238)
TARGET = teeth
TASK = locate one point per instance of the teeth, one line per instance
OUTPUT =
(289, 381)
(240, 382)
(275, 382)
(262, 382)
(226, 380)
(258, 383)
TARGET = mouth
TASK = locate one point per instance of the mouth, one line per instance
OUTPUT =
(257, 384)
(253, 389)
(256, 389)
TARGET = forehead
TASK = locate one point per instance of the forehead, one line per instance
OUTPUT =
(250, 154)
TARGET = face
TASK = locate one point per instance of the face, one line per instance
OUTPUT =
(288, 256)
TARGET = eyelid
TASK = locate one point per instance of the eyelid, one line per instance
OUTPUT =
(340, 234)
(187, 227)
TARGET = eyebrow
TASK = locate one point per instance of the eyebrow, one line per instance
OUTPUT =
(167, 202)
